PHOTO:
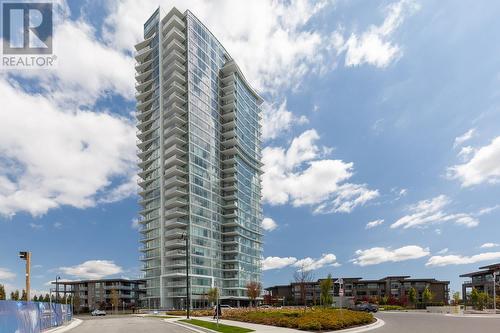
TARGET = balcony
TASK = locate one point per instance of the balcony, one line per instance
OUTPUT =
(175, 212)
(175, 233)
(143, 53)
(175, 181)
(175, 202)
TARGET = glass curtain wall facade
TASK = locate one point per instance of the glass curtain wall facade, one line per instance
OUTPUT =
(199, 155)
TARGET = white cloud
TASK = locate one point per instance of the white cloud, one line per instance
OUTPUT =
(378, 255)
(276, 121)
(374, 223)
(484, 166)
(86, 68)
(487, 210)
(269, 224)
(57, 225)
(6, 274)
(135, 224)
(462, 260)
(459, 140)
(466, 152)
(53, 156)
(443, 251)
(299, 176)
(427, 212)
(374, 46)
(35, 226)
(489, 245)
(274, 31)
(310, 264)
(93, 269)
(277, 262)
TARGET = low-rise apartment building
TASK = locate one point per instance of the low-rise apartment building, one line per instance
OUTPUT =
(96, 294)
(481, 280)
(358, 289)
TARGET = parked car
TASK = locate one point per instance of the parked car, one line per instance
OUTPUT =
(367, 307)
(225, 306)
(98, 313)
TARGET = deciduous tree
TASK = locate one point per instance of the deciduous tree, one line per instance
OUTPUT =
(412, 296)
(2, 292)
(253, 290)
(212, 295)
(325, 287)
(427, 295)
(302, 277)
(115, 299)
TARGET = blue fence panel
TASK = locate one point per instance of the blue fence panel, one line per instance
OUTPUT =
(32, 317)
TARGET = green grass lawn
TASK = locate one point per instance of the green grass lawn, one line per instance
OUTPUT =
(213, 326)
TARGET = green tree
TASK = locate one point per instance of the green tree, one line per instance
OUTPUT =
(46, 298)
(412, 296)
(325, 287)
(253, 290)
(2, 292)
(35, 298)
(14, 295)
(76, 303)
(212, 295)
(456, 298)
(427, 295)
(24, 296)
(115, 299)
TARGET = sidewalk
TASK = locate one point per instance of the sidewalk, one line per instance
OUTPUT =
(258, 328)
(61, 329)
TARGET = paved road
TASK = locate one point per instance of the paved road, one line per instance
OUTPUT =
(126, 324)
(409, 322)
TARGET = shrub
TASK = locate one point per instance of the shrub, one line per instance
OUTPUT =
(315, 319)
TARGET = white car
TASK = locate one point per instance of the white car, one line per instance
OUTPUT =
(98, 313)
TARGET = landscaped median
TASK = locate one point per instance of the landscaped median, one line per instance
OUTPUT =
(310, 319)
(216, 327)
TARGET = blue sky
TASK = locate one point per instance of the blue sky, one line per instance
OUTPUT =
(383, 112)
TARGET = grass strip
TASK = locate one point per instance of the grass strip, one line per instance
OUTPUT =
(220, 328)
(160, 316)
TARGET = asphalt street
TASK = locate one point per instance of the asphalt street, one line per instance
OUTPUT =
(409, 322)
(401, 322)
(126, 324)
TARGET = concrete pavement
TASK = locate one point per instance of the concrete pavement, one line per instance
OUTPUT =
(127, 324)
(412, 322)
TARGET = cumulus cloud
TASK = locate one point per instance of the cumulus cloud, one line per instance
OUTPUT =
(310, 264)
(92, 269)
(278, 120)
(269, 224)
(135, 224)
(6, 274)
(298, 175)
(375, 46)
(53, 156)
(483, 167)
(459, 140)
(489, 245)
(378, 255)
(277, 262)
(462, 260)
(427, 212)
(307, 264)
(374, 223)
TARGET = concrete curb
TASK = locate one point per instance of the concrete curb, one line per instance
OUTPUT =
(377, 324)
(74, 323)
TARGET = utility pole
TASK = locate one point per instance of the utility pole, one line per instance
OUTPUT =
(26, 255)
(57, 288)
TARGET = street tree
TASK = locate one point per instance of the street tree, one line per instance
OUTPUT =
(302, 277)
(2, 292)
(14, 295)
(115, 299)
(212, 295)
(46, 298)
(412, 296)
(24, 296)
(325, 287)
(253, 290)
(456, 298)
(427, 295)
(76, 303)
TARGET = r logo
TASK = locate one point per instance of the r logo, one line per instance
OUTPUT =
(27, 28)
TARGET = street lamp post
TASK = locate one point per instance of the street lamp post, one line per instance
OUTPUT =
(188, 296)
(57, 288)
(25, 255)
(495, 273)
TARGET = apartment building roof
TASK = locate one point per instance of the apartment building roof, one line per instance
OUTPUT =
(100, 280)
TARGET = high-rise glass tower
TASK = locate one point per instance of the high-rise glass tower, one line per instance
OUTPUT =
(199, 155)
